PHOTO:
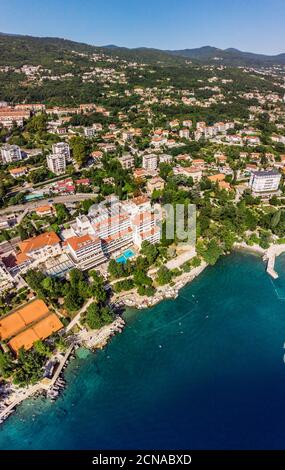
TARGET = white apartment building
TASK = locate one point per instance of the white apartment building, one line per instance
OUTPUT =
(11, 153)
(89, 131)
(127, 161)
(110, 223)
(62, 148)
(57, 163)
(145, 229)
(264, 181)
(6, 280)
(184, 134)
(119, 225)
(150, 161)
(194, 172)
(85, 251)
(165, 158)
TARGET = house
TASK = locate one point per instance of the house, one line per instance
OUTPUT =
(221, 159)
(38, 249)
(10, 117)
(224, 185)
(159, 141)
(89, 131)
(64, 187)
(174, 123)
(155, 183)
(252, 140)
(45, 211)
(216, 178)
(139, 174)
(6, 279)
(97, 155)
(194, 172)
(199, 162)
(18, 172)
(187, 123)
(83, 182)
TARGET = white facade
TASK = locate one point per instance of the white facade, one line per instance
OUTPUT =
(57, 163)
(120, 225)
(86, 251)
(264, 181)
(145, 229)
(62, 148)
(184, 134)
(150, 161)
(11, 153)
(6, 280)
(89, 131)
(127, 161)
(165, 158)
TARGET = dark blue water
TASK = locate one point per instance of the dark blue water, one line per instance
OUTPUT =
(205, 371)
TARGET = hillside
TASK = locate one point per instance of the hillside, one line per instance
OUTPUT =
(17, 50)
(229, 56)
(63, 72)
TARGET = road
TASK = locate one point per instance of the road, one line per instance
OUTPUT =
(78, 315)
(29, 206)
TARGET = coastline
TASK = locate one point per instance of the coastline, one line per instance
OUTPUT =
(133, 300)
(98, 339)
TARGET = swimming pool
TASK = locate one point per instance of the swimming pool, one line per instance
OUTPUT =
(125, 256)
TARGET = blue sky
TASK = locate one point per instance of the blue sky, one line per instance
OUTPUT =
(252, 25)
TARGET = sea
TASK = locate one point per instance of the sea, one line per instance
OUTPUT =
(204, 371)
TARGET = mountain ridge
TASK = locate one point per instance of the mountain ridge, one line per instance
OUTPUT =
(19, 46)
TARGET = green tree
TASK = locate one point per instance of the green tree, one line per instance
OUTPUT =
(164, 276)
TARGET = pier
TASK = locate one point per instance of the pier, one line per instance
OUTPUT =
(44, 385)
(270, 266)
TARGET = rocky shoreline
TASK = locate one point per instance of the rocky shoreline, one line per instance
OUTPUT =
(133, 300)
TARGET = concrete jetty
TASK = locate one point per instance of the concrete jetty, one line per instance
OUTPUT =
(270, 266)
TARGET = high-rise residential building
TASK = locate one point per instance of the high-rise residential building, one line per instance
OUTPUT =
(150, 161)
(264, 181)
(62, 148)
(57, 163)
(11, 153)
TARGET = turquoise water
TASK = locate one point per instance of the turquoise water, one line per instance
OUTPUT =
(125, 256)
(203, 371)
